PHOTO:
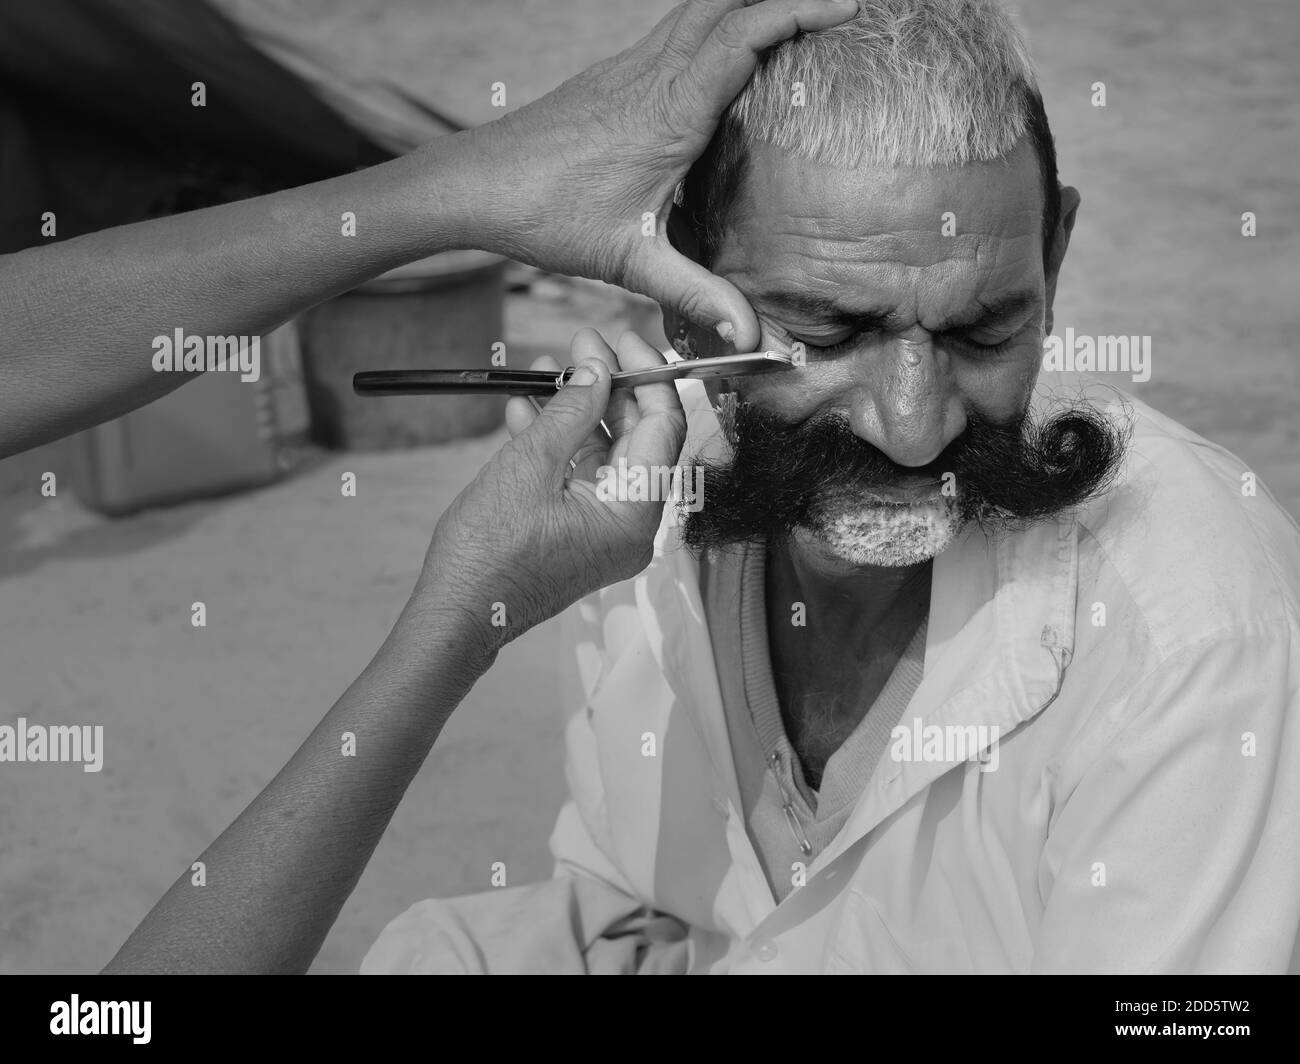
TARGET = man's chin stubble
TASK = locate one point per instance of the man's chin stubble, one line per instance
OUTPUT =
(888, 535)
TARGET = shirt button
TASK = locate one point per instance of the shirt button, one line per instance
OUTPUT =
(766, 951)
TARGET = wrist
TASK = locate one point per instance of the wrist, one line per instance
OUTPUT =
(464, 192)
(452, 624)
(443, 202)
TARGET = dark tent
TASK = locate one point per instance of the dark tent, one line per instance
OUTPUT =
(97, 122)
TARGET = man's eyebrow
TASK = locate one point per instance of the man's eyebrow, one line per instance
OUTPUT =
(825, 310)
(820, 309)
(989, 312)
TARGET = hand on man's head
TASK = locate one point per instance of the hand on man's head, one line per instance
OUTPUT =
(585, 176)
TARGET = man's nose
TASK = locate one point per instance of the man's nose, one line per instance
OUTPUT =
(906, 403)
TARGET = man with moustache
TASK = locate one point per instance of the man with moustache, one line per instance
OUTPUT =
(917, 530)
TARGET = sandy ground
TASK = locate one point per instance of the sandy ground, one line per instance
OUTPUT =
(302, 584)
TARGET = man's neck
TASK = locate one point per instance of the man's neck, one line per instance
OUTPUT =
(861, 604)
(835, 633)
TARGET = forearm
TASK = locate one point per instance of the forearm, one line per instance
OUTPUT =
(77, 318)
(565, 183)
(276, 879)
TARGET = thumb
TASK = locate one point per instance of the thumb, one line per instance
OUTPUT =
(669, 278)
(566, 421)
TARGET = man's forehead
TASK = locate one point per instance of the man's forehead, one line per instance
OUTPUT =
(849, 202)
(963, 309)
(800, 226)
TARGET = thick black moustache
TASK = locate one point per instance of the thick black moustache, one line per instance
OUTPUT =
(782, 475)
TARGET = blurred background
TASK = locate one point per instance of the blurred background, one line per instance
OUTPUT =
(230, 494)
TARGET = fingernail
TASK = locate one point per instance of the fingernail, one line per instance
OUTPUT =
(584, 375)
(726, 330)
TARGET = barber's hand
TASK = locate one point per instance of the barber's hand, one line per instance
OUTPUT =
(568, 180)
(531, 533)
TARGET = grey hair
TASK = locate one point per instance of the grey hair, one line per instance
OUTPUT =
(905, 83)
(922, 83)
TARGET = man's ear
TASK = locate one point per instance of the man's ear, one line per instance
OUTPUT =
(1070, 200)
(689, 340)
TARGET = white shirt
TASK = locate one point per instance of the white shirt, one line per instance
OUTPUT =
(1139, 812)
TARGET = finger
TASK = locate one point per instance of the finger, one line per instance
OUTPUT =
(634, 353)
(727, 56)
(568, 420)
(693, 23)
(663, 273)
(588, 343)
(624, 411)
(519, 414)
(660, 430)
(655, 442)
(521, 409)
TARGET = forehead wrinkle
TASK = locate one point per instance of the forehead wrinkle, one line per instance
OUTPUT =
(916, 248)
(978, 268)
(890, 296)
(804, 261)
